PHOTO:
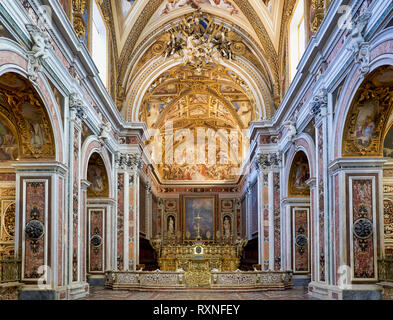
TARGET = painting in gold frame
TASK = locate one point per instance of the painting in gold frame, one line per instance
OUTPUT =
(199, 218)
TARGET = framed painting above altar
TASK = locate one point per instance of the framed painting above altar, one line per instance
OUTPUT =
(199, 218)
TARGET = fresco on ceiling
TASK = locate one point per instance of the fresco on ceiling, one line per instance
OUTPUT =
(126, 6)
(171, 5)
(268, 4)
(214, 105)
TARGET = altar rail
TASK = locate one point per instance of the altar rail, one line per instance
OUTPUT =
(238, 280)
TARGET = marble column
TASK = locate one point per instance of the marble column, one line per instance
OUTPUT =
(268, 167)
(77, 287)
(128, 167)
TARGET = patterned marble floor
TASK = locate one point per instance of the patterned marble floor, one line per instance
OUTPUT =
(297, 293)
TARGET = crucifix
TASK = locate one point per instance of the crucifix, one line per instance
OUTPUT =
(198, 220)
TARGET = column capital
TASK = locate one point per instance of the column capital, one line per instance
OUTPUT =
(77, 106)
(319, 104)
(130, 161)
(268, 161)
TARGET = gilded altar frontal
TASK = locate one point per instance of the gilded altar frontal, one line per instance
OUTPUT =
(196, 150)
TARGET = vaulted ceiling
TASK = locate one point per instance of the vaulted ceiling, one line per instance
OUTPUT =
(211, 64)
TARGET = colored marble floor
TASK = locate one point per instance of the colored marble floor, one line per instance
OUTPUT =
(297, 293)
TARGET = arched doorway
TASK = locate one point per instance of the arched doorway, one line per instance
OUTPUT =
(298, 207)
(98, 219)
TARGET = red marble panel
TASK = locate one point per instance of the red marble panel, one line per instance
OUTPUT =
(277, 221)
(75, 208)
(337, 223)
(60, 234)
(96, 240)
(35, 199)
(321, 205)
(131, 227)
(300, 241)
(120, 221)
(363, 221)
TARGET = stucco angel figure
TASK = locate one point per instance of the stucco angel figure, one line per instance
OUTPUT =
(105, 130)
(358, 29)
(41, 42)
(292, 132)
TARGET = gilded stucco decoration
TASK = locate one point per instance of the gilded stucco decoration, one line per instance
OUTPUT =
(368, 115)
(199, 41)
(318, 11)
(24, 122)
(78, 9)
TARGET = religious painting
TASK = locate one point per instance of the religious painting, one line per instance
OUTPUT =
(96, 175)
(23, 110)
(227, 228)
(8, 143)
(33, 119)
(369, 115)
(199, 213)
(298, 176)
(126, 6)
(365, 123)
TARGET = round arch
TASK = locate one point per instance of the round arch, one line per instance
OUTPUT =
(304, 144)
(13, 60)
(380, 55)
(93, 146)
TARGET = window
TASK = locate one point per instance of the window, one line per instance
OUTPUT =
(99, 43)
(297, 37)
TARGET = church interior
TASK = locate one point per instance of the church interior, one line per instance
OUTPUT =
(234, 148)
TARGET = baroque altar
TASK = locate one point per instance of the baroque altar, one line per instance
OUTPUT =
(198, 259)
